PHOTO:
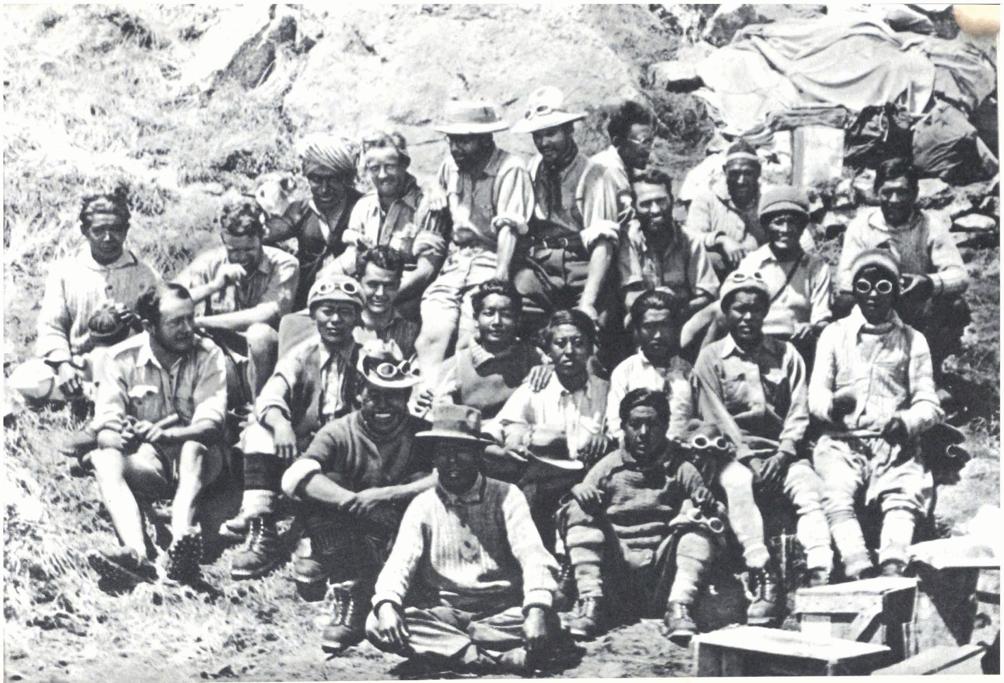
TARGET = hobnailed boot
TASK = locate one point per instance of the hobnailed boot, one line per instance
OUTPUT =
(585, 622)
(765, 605)
(260, 553)
(183, 558)
(122, 566)
(348, 622)
(680, 625)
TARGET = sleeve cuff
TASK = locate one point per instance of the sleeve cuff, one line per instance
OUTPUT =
(208, 415)
(939, 283)
(521, 226)
(538, 597)
(296, 473)
(711, 238)
(600, 230)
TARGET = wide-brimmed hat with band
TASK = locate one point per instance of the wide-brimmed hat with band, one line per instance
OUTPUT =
(545, 108)
(382, 364)
(455, 423)
(468, 117)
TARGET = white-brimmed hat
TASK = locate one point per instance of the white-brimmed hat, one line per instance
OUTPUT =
(466, 117)
(545, 108)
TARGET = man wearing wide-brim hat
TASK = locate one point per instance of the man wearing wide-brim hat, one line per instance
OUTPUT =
(575, 229)
(489, 197)
(471, 542)
(354, 481)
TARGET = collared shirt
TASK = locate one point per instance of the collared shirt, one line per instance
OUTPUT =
(799, 291)
(310, 385)
(399, 330)
(75, 289)
(502, 188)
(371, 225)
(580, 414)
(923, 246)
(479, 551)
(476, 377)
(636, 372)
(886, 367)
(713, 213)
(273, 281)
(580, 198)
(683, 265)
(763, 394)
(318, 233)
(135, 384)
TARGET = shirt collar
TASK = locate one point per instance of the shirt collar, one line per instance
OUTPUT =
(344, 355)
(411, 197)
(124, 261)
(555, 384)
(857, 321)
(471, 496)
(877, 221)
(632, 463)
(480, 356)
(145, 355)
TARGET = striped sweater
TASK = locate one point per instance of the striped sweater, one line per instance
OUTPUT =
(479, 552)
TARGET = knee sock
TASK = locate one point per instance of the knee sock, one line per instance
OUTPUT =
(262, 474)
(897, 535)
(851, 544)
(813, 533)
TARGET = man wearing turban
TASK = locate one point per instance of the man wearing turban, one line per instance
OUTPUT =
(318, 223)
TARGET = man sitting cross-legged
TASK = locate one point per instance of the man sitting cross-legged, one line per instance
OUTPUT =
(471, 544)
(354, 481)
(164, 376)
(313, 383)
(873, 389)
(753, 387)
(630, 548)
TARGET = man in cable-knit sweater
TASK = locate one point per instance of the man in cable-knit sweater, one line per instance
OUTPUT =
(629, 545)
(471, 545)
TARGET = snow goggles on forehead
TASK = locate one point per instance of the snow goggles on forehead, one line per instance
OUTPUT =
(328, 287)
(736, 276)
(701, 442)
(388, 370)
(865, 287)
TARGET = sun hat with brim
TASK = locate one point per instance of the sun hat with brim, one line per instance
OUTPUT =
(879, 258)
(463, 117)
(382, 364)
(336, 288)
(783, 198)
(738, 281)
(452, 422)
(545, 108)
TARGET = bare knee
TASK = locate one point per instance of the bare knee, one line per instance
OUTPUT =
(109, 464)
(198, 464)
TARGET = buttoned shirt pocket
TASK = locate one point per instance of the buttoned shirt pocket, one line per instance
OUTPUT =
(736, 393)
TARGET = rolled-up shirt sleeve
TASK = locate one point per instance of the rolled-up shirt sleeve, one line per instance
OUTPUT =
(796, 422)
(700, 272)
(629, 261)
(698, 222)
(112, 399)
(820, 295)
(514, 196)
(949, 276)
(596, 196)
(275, 393)
(210, 394)
(282, 285)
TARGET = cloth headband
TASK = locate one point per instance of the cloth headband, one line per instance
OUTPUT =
(746, 156)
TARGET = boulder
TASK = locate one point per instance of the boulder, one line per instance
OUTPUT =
(934, 193)
(974, 222)
(397, 65)
(674, 76)
(864, 191)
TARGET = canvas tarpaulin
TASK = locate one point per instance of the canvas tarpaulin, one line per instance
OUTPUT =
(849, 60)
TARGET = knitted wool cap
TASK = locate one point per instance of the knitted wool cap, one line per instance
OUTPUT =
(879, 258)
(742, 282)
(783, 198)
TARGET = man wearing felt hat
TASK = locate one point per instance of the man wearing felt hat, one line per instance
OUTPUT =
(873, 390)
(313, 383)
(471, 543)
(488, 195)
(574, 226)
(754, 388)
(354, 482)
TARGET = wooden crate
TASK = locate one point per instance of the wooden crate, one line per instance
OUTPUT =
(757, 651)
(878, 610)
(943, 660)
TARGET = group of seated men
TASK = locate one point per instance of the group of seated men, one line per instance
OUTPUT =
(533, 358)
